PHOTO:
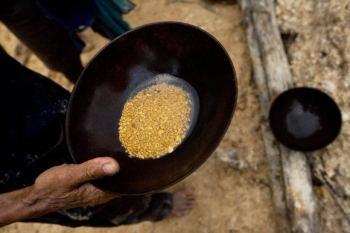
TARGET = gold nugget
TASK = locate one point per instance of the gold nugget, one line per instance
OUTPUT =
(155, 121)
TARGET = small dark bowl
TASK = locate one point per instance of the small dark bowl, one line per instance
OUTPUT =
(95, 107)
(305, 119)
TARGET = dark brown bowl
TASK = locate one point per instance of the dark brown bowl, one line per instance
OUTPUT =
(179, 49)
(305, 119)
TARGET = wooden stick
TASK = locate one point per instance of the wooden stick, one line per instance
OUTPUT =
(332, 187)
(288, 170)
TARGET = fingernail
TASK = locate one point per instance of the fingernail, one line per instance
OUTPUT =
(109, 169)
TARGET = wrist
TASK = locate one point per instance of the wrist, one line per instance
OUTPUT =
(36, 204)
(31, 203)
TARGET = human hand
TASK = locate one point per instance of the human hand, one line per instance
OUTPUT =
(67, 186)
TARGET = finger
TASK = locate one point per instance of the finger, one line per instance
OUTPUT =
(94, 169)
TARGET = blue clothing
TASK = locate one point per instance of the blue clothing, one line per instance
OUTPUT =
(105, 16)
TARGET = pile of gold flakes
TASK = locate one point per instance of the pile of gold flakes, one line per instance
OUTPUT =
(155, 121)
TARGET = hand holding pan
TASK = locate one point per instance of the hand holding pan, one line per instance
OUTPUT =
(136, 57)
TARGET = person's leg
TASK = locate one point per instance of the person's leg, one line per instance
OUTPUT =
(47, 40)
(135, 209)
(126, 210)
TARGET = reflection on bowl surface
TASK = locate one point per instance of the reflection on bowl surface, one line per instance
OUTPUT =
(305, 119)
(112, 76)
(302, 122)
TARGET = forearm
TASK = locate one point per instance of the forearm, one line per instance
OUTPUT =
(19, 205)
(61, 187)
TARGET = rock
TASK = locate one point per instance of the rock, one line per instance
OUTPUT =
(231, 158)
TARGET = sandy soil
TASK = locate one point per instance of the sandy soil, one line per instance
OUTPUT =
(238, 199)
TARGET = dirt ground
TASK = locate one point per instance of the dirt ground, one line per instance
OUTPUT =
(238, 199)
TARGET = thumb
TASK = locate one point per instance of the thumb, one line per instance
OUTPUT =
(94, 169)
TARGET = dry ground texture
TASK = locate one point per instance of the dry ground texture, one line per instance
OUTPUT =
(237, 199)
